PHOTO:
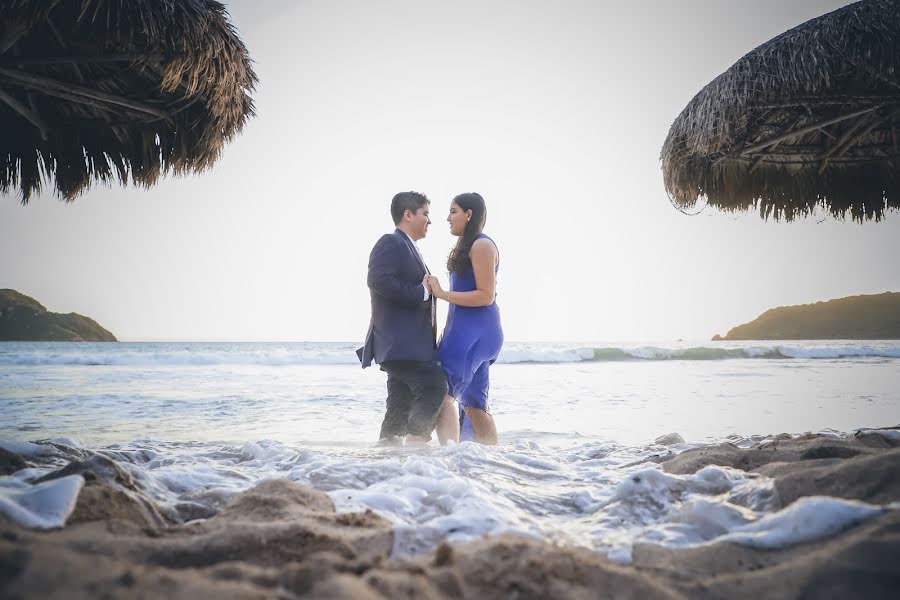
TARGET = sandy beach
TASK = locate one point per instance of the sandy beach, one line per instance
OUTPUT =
(284, 540)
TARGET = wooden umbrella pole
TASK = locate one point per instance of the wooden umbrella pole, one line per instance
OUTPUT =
(65, 46)
(837, 99)
(813, 127)
(14, 30)
(842, 140)
(62, 44)
(102, 107)
(16, 27)
(48, 86)
(25, 112)
(842, 151)
(67, 60)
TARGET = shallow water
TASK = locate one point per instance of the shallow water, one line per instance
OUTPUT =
(201, 422)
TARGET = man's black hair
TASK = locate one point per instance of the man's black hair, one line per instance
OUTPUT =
(407, 201)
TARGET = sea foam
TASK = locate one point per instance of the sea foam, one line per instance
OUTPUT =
(806, 520)
(593, 493)
(199, 355)
(42, 506)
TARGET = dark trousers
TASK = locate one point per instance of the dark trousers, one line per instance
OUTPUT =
(415, 391)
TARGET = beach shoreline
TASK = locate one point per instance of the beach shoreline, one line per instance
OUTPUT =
(284, 539)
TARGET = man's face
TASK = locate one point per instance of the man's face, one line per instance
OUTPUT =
(419, 222)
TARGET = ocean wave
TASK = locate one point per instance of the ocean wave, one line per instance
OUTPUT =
(652, 353)
(90, 357)
(149, 355)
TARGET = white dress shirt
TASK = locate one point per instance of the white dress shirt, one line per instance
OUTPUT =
(421, 258)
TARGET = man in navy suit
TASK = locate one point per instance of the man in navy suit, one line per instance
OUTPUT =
(402, 336)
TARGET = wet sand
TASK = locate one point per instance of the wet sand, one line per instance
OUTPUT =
(284, 540)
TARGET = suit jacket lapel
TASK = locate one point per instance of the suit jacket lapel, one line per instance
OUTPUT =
(413, 250)
(409, 244)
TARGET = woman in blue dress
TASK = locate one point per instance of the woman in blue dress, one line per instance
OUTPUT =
(473, 336)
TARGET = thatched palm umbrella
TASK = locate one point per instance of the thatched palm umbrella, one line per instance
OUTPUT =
(106, 90)
(807, 119)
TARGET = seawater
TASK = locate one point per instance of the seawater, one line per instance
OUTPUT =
(202, 421)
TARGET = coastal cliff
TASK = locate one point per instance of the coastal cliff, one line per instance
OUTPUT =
(871, 317)
(24, 319)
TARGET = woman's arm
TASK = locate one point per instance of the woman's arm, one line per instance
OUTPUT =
(484, 261)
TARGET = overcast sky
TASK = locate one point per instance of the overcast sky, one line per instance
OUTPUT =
(554, 111)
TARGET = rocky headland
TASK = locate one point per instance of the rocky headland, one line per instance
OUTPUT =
(872, 317)
(281, 539)
(24, 319)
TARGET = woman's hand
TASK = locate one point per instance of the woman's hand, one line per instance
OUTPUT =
(435, 286)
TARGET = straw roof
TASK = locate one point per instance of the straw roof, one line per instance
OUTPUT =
(808, 119)
(105, 90)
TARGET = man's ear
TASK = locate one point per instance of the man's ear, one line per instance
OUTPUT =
(407, 215)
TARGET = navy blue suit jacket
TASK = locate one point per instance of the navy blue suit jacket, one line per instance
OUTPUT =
(402, 325)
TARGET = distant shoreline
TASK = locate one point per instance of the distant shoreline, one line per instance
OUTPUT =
(865, 317)
(24, 319)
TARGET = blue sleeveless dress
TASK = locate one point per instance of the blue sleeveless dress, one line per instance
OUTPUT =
(471, 343)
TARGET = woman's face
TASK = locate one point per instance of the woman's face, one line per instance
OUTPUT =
(458, 219)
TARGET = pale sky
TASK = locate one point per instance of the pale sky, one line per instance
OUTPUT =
(554, 111)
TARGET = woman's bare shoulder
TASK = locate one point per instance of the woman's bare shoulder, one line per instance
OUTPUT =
(484, 252)
(484, 245)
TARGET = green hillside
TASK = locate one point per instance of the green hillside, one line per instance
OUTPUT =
(874, 317)
(24, 319)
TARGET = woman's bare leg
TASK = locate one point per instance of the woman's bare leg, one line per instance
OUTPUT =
(483, 425)
(447, 427)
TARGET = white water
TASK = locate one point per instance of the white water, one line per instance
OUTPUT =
(201, 422)
(311, 353)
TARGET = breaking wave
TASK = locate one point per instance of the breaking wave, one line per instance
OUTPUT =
(329, 353)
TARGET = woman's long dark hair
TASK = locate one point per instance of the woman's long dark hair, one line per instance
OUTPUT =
(459, 261)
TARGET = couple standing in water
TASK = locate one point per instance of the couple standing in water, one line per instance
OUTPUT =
(426, 379)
